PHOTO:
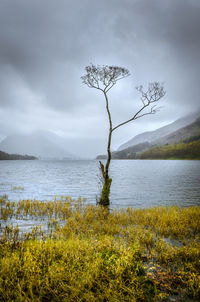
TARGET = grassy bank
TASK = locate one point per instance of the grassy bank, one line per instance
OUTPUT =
(184, 150)
(89, 254)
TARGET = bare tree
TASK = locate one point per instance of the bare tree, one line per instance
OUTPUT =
(104, 78)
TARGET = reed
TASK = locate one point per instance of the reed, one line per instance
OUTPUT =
(86, 253)
(17, 188)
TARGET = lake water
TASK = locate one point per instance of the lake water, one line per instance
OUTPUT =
(136, 183)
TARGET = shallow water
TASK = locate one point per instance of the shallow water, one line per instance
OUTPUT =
(136, 183)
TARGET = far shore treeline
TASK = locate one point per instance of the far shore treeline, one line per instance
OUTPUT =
(184, 150)
(6, 156)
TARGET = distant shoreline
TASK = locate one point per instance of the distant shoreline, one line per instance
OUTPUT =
(7, 156)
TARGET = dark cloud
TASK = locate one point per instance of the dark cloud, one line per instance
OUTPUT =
(44, 46)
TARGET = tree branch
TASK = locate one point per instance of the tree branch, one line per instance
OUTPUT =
(154, 93)
(105, 75)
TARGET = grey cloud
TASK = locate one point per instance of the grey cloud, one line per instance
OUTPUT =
(44, 46)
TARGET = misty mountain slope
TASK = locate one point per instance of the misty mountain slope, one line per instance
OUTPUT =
(182, 134)
(155, 135)
(40, 144)
(128, 152)
(181, 143)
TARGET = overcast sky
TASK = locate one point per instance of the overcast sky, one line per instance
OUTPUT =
(45, 45)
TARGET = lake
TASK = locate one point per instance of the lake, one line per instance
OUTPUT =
(136, 183)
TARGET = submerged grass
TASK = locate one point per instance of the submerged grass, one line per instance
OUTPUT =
(91, 254)
(17, 188)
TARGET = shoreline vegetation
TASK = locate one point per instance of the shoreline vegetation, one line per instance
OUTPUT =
(88, 253)
(189, 149)
(7, 156)
(186, 150)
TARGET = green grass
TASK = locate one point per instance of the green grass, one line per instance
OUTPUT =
(91, 254)
(184, 150)
(17, 188)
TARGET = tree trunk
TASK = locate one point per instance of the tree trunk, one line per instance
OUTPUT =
(105, 193)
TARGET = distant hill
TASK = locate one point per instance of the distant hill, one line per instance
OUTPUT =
(6, 156)
(130, 151)
(180, 135)
(182, 143)
(190, 150)
(41, 144)
(156, 135)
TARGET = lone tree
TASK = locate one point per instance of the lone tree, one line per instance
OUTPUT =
(104, 78)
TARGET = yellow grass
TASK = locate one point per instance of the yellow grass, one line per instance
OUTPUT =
(92, 254)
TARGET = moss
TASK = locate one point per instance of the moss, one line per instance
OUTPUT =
(105, 194)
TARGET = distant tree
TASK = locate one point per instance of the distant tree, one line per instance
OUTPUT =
(103, 78)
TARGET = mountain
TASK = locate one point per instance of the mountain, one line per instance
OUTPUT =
(165, 146)
(6, 156)
(183, 143)
(128, 152)
(42, 144)
(155, 135)
(182, 134)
